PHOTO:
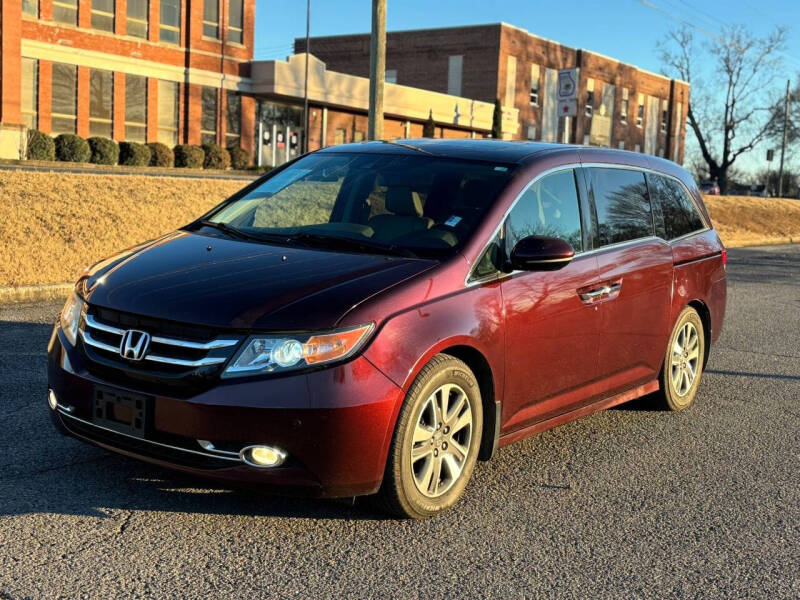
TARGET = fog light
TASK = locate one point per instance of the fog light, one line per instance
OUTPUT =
(52, 400)
(263, 456)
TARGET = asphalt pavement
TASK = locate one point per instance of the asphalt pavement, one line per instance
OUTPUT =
(628, 503)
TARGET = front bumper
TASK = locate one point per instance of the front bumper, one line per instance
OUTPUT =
(335, 424)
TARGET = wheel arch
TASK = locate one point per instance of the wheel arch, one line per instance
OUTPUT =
(480, 367)
(705, 318)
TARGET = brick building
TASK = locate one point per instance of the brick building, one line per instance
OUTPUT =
(619, 105)
(143, 70)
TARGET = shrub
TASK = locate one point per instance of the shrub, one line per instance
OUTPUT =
(160, 155)
(134, 154)
(189, 156)
(240, 158)
(71, 148)
(104, 151)
(216, 157)
(40, 146)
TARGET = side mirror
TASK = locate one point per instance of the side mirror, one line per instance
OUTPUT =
(541, 253)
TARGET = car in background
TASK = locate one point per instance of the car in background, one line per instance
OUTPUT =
(710, 187)
(373, 319)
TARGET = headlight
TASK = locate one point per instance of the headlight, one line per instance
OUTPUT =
(277, 353)
(71, 317)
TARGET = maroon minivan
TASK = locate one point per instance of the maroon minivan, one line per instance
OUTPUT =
(374, 318)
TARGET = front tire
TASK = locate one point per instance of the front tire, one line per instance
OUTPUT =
(683, 362)
(436, 441)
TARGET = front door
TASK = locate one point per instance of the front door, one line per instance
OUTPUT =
(551, 332)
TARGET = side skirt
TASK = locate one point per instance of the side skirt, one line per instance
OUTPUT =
(642, 390)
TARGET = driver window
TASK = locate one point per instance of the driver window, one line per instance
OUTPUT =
(548, 207)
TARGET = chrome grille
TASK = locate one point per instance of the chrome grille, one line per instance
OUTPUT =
(168, 352)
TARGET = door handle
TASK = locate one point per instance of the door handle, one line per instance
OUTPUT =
(605, 291)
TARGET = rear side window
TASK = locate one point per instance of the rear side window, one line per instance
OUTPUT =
(622, 204)
(676, 214)
(548, 207)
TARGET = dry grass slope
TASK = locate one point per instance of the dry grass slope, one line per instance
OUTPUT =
(746, 221)
(52, 225)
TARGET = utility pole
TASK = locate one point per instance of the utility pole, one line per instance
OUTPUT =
(377, 70)
(783, 144)
(305, 85)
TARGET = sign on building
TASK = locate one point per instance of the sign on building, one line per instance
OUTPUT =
(568, 84)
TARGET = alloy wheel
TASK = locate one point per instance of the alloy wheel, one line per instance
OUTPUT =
(441, 443)
(685, 359)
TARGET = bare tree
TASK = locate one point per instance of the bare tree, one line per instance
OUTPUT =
(731, 99)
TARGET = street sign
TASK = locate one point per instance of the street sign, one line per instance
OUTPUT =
(567, 84)
(770, 155)
(568, 108)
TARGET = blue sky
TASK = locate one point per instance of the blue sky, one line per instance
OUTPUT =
(623, 29)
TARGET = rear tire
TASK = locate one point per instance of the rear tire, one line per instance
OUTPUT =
(436, 441)
(683, 361)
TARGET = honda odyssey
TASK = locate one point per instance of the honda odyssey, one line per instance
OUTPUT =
(374, 318)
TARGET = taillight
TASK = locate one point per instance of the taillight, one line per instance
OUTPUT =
(725, 258)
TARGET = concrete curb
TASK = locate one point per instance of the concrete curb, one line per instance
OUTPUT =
(34, 293)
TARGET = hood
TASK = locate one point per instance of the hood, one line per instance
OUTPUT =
(226, 283)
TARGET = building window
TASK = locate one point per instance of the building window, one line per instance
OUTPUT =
(65, 96)
(455, 69)
(664, 116)
(391, 76)
(339, 137)
(168, 112)
(236, 21)
(208, 118)
(358, 136)
(101, 97)
(138, 18)
(65, 11)
(589, 97)
(30, 89)
(621, 145)
(534, 86)
(135, 108)
(30, 8)
(103, 15)
(531, 132)
(211, 18)
(170, 27)
(640, 111)
(623, 112)
(233, 132)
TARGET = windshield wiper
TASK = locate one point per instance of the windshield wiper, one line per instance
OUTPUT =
(331, 241)
(225, 228)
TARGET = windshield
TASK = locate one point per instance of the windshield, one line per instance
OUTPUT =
(424, 205)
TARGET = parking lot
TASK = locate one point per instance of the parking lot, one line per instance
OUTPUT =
(628, 503)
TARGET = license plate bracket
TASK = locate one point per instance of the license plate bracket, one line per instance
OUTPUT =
(120, 411)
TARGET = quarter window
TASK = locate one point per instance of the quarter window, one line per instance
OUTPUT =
(676, 214)
(622, 205)
(548, 207)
